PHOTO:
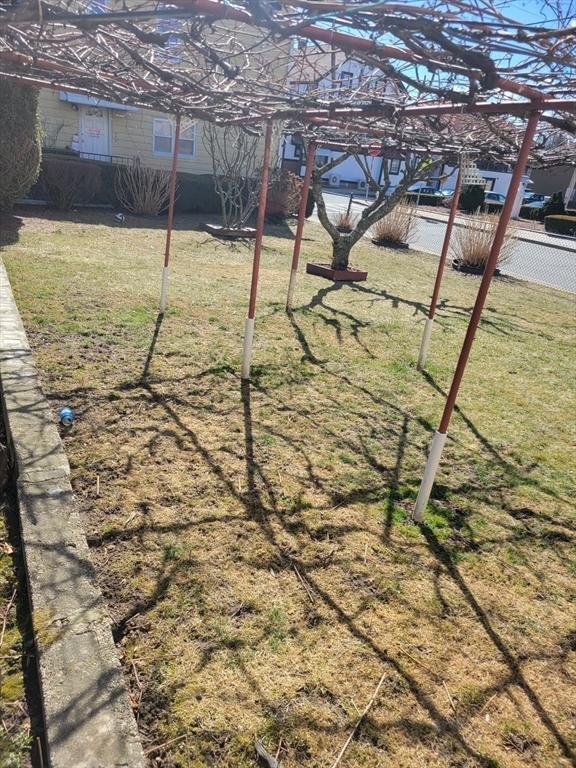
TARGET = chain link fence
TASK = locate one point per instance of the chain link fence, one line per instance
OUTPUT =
(534, 256)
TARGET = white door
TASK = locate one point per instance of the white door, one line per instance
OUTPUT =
(94, 131)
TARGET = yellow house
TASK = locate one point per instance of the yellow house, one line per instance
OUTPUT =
(110, 132)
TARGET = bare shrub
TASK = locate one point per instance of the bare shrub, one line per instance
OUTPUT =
(397, 227)
(68, 181)
(142, 191)
(345, 220)
(235, 167)
(284, 191)
(471, 244)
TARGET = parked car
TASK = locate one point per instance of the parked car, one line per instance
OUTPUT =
(534, 197)
(531, 210)
(447, 195)
(424, 195)
(493, 199)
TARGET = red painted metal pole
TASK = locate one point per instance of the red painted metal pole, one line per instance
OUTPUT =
(439, 273)
(445, 246)
(440, 436)
(170, 222)
(249, 326)
(499, 235)
(301, 219)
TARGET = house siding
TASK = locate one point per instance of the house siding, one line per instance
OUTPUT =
(131, 134)
(58, 119)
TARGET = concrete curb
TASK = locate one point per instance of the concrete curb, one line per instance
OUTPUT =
(89, 722)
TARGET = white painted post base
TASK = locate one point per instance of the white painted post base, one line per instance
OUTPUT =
(247, 351)
(164, 290)
(430, 470)
(425, 343)
(291, 287)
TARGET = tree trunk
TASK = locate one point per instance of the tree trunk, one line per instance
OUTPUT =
(341, 252)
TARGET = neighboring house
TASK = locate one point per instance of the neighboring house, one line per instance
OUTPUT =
(560, 178)
(327, 74)
(111, 132)
(332, 75)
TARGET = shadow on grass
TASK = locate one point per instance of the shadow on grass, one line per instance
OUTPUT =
(106, 217)
(260, 503)
(516, 676)
(10, 226)
(260, 511)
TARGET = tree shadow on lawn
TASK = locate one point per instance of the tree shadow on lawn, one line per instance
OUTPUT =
(10, 226)
(516, 675)
(261, 504)
(492, 320)
(260, 508)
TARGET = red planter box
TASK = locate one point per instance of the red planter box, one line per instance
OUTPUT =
(344, 275)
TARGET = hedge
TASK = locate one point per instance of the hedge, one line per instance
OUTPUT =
(20, 141)
(561, 225)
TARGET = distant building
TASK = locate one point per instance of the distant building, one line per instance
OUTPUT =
(560, 178)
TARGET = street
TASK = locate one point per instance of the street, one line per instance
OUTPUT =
(543, 259)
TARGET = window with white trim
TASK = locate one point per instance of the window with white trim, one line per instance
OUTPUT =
(163, 138)
(394, 166)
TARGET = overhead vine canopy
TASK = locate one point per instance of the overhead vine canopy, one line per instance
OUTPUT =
(433, 62)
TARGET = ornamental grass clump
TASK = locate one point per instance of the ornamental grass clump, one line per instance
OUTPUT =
(471, 244)
(396, 228)
(345, 221)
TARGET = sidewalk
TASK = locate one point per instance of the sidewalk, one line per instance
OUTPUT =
(541, 238)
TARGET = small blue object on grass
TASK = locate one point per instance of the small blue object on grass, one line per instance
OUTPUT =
(66, 416)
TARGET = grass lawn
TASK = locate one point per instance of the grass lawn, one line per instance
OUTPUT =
(254, 542)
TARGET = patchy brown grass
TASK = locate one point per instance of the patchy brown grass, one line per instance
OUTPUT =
(254, 541)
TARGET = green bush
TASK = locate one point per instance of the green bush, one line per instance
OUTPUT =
(553, 207)
(471, 198)
(196, 194)
(20, 141)
(561, 225)
(529, 213)
(68, 181)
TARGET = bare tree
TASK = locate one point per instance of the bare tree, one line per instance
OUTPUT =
(386, 198)
(235, 168)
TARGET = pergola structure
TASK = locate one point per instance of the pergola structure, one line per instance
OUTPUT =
(466, 76)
